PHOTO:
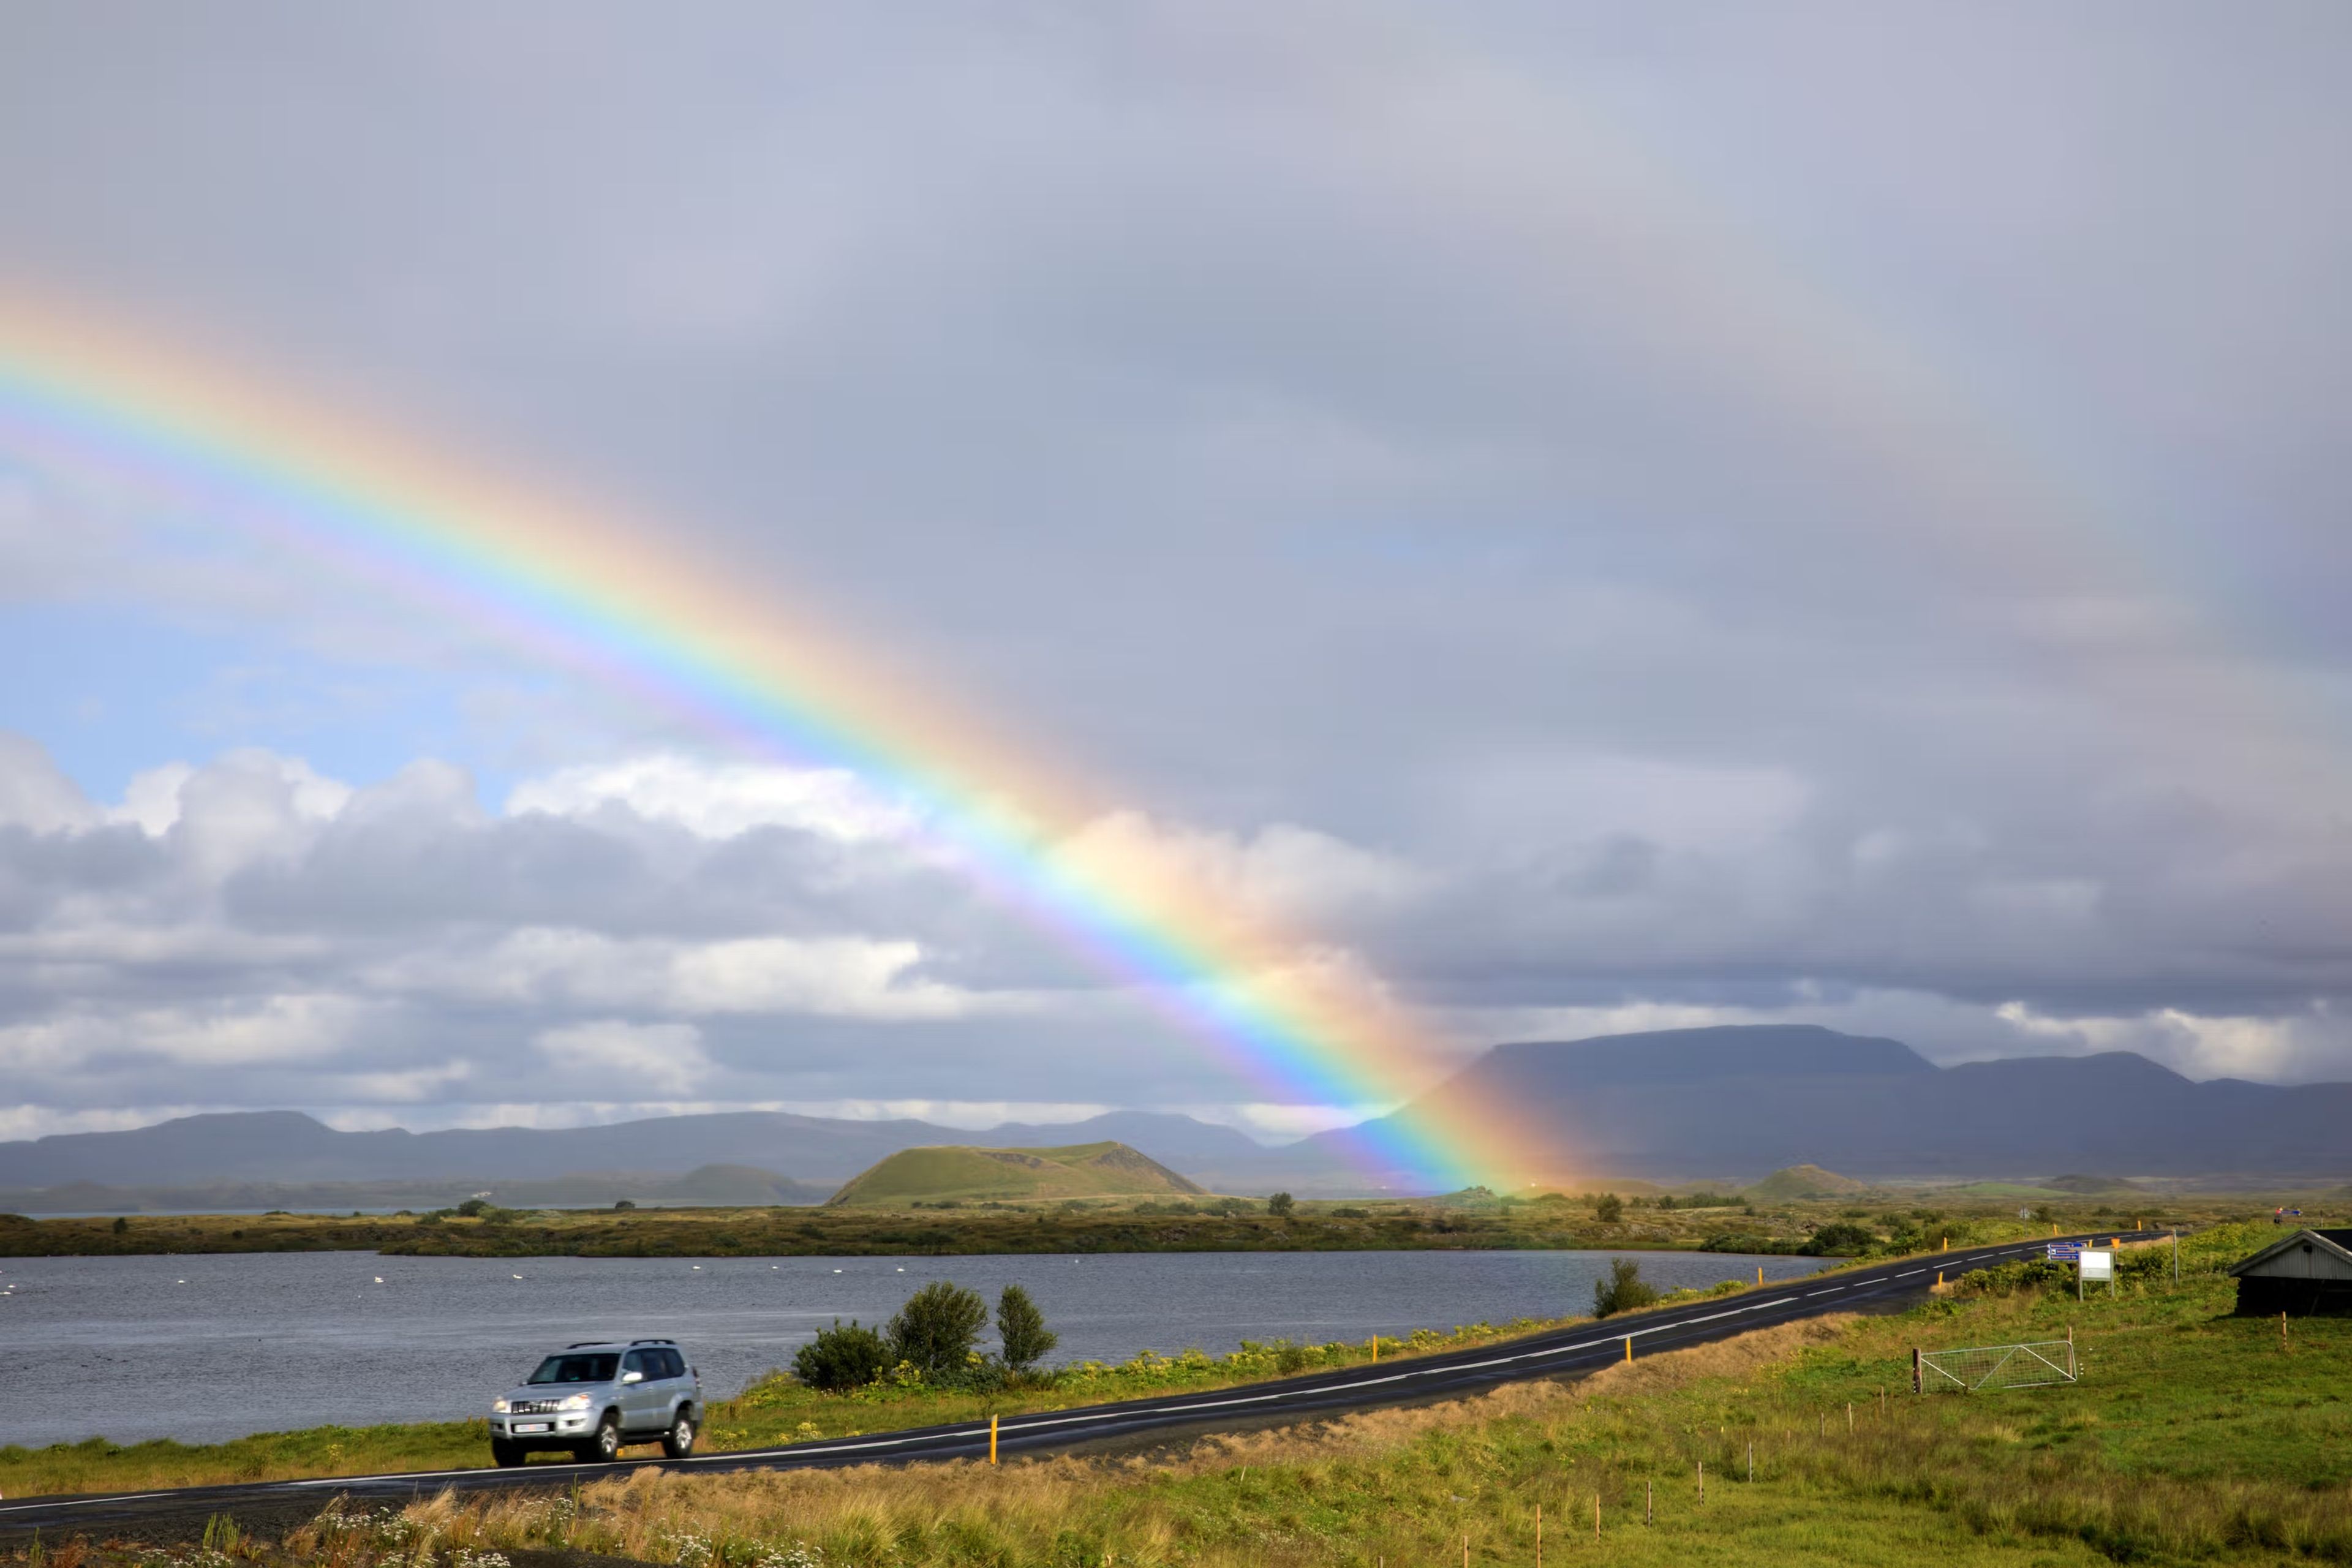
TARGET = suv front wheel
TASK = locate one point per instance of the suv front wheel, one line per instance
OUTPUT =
(678, 1441)
(604, 1447)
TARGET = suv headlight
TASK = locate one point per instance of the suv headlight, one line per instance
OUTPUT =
(574, 1402)
(499, 1407)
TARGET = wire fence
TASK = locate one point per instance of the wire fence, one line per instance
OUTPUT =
(1981, 1367)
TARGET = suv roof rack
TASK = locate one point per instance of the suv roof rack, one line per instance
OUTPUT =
(635, 1343)
(585, 1344)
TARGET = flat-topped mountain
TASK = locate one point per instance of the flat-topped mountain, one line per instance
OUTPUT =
(1682, 1103)
(969, 1175)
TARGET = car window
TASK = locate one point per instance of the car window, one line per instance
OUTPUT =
(674, 1364)
(576, 1369)
(637, 1363)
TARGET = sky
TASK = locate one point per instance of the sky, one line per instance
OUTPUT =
(1583, 518)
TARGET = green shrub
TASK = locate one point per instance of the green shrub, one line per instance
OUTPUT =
(1609, 1209)
(935, 1330)
(1280, 1205)
(1840, 1240)
(1622, 1290)
(840, 1359)
(1020, 1329)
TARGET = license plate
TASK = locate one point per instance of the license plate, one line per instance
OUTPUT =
(530, 1426)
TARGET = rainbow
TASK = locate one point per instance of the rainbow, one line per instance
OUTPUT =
(578, 586)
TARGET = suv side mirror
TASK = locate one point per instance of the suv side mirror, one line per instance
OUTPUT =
(633, 1377)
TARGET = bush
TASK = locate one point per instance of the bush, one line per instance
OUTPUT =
(1280, 1205)
(841, 1359)
(473, 1206)
(1021, 1328)
(624, 1204)
(1344, 1212)
(1840, 1240)
(1623, 1290)
(935, 1330)
(1609, 1209)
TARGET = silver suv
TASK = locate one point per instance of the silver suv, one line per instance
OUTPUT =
(591, 1398)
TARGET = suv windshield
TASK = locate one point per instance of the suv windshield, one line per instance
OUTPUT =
(576, 1369)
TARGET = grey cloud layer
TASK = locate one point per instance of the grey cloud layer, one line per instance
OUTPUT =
(1793, 511)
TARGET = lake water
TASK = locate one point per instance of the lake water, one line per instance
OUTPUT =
(216, 1345)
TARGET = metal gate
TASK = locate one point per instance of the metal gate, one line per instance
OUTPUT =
(1997, 1366)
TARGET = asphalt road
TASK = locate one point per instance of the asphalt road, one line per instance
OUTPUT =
(1582, 1348)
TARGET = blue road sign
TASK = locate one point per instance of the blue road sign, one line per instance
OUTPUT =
(2065, 1252)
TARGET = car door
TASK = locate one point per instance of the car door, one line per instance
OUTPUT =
(674, 1388)
(641, 1401)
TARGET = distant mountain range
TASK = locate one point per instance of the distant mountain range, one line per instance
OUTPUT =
(1686, 1104)
(284, 1159)
(1721, 1105)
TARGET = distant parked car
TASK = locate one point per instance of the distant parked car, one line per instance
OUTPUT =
(591, 1398)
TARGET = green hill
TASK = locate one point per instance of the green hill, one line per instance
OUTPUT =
(1805, 1181)
(1010, 1175)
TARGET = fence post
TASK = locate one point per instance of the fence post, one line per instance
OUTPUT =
(1914, 1370)
(1702, 1481)
(1649, 1504)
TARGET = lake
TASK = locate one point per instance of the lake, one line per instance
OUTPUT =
(212, 1346)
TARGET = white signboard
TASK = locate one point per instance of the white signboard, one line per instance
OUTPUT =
(2098, 1265)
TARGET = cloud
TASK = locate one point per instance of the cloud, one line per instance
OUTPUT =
(1521, 503)
(718, 802)
(662, 1060)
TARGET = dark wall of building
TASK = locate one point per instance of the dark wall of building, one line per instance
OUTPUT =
(2259, 1297)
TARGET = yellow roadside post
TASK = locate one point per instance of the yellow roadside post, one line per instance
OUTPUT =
(991, 1439)
(1760, 1273)
(1629, 1347)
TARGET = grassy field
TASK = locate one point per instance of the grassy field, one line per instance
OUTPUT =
(1912, 1219)
(2194, 1437)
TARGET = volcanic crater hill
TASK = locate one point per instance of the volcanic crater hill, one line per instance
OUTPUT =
(1677, 1103)
(966, 1174)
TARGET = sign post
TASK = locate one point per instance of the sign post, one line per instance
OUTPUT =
(2095, 1264)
